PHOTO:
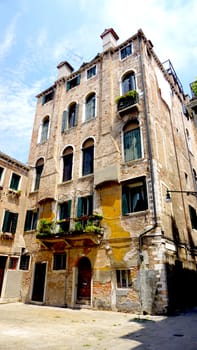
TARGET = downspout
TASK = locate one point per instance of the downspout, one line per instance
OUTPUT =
(149, 147)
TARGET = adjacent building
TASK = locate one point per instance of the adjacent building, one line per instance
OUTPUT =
(13, 256)
(110, 141)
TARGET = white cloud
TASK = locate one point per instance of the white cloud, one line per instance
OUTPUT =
(9, 37)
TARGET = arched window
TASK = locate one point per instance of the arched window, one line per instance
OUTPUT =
(128, 82)
(67, 163)
(90, 107)
(44, 129)
(72, 115)
(88, 157)
(39, 169)
(132, 141)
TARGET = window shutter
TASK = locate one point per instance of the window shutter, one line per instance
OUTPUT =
(68, 85)
(133, 82)
(28, 220)
(69, 207)
(5, 221)
(76, 114)
(43, 100)
(90, 207)
(64, 120)
(79, 207)
(124, 203)
(78, 79)
(14, 222)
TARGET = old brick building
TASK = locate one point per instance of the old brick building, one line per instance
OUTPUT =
(13, 257)
(108, 141)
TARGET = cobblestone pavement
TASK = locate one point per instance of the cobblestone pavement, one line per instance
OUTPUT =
(28, 327)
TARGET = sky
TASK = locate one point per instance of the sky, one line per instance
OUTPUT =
(36, 35)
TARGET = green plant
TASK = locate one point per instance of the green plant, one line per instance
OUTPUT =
(78, 227)
(194, 87)
(92, 229)
(46, 226)
(130, 94)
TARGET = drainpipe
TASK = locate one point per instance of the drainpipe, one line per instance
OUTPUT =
(149, 147)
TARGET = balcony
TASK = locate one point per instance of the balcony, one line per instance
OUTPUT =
(127, 102)
(66, 233)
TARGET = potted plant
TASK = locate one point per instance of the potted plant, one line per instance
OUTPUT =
(194, 87)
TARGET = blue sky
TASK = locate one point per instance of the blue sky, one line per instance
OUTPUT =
(36, 35)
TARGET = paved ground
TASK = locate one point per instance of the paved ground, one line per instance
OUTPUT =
(28, 327)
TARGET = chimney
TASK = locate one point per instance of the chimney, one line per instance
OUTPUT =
(109, 38)
(64, 69)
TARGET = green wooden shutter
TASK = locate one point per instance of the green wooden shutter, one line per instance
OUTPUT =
(125, 209)
(28, 220)
(68, 85)
(5, 221)
(14, 222)
(69, 207)
(78, 79)
(76, 114)
(64, 120)
(79, 207)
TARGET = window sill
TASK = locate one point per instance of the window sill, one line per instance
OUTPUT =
(84, 177)
(136, 213)
(65, 183)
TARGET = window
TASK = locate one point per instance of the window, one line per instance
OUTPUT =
(195, 178)
(13, 262)
(67, 164)
(85, 206)
(48, 97)
(88, 157)
(72, 115)
(123, 278)
(73, 82)
(126, 51)
(10, 222)
(134, 196)
(64, 214)
(128, 82)
(31, 220)
(193, 217)
(90, 106)
(132, 142)
(14, 184)
(24, 262)
(39, 169)
(91, 72)
(59, 261)
(44, 129)
(188, 141)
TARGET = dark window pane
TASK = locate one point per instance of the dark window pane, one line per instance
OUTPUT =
(134, 197)
(24, 262)
(59, 261)
(88, 160)
(15, 182)
(132, 145)
(67, 167)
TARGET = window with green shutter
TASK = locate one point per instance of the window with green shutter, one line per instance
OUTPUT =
(85, 206)
(10, 222)
(31, 220)
(64, 121)
(14, 184)
(193, 217)
(73, 82)
(64, 215)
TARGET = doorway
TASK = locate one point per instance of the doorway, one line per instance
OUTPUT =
(3, 260)
(39, 282)
(84, 280)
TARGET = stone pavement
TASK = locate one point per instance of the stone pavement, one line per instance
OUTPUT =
(28, 327)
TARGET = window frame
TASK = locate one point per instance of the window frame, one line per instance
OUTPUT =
(44, 135)
(91, 72)
(10, 221)
(24, 265)
(59, 265)
(85, 206)
(31, 219)
(128, 82)
(15, 183)
(134, 152)
(48, 97)
(67, 164)
(123, 279)
(90, 106)
(88, 157)
(71, 83)
(124, 52)
(193, 217)
(38, 173)
(134, 197)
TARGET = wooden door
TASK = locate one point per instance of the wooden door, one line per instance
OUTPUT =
(39, 282)
(84, 279)
(2, 270)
